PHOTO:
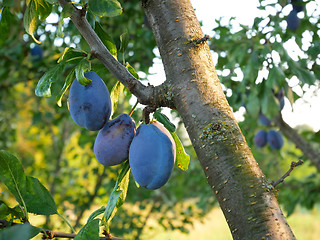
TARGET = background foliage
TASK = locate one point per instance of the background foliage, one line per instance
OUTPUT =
(253, 63)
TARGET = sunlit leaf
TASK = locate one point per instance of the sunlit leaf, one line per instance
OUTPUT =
(35, 9)
(106, 39)
(30, 20)
(182, 158)
(9, 214)
(105, 8)
(83, 66)
(119, 193)
(67, 83)
(114, 95)
(132, 71)
(72, 55)
(43, 88)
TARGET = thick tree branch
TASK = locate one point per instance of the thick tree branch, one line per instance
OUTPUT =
(149, 95)
(50, 234)
(300, 142)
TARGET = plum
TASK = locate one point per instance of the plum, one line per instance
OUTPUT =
(293, 22)
(151, 156)
(260, 139)
(36, 53)
(111, 146)
(280, 95)
(264, 120)
(275, 139)
(90, 105)
(165, 131)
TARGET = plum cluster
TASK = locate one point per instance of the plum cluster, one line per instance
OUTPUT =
(293, 21)
(150, 149)
(272, 137)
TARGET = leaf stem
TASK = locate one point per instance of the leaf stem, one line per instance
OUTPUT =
(66, 221)
(133, 108)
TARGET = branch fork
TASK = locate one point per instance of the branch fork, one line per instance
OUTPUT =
(147, 95)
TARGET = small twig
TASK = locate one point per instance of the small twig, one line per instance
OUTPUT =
(293, 165)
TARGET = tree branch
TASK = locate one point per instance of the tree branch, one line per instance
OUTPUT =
(148, 95)
(300, 142)
(50, 234)
(292, 166)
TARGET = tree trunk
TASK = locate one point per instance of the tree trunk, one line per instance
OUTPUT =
(244, 194)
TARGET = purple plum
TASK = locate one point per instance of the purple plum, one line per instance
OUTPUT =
(113, 140)
(90, 105)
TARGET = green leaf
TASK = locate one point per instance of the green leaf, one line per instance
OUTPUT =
(276, 77)
(5, 19)
(28, 191)
(114, 95)
(38, 199)
(132, 71)
(9, 214)
(72, 55)
(19, 231)
(165, 121)
(35, 9)
(105, 8)
(96, 213)
(12, 175)
(182, 158)
(43, 88)
(112, 202)
(253, 105)
(119, 193)
(43, 9)
(89, 231)
(51, 1)
(106, 39)
(83, 66)
(270, 106)
(70, 78)
(124, 39)
(66, 12)
(30, 20)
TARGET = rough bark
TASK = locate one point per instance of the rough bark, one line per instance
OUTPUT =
(245, 196)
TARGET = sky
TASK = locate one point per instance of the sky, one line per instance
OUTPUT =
(304, 111)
